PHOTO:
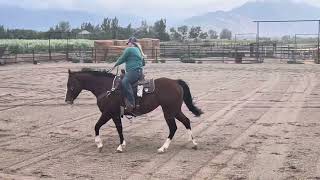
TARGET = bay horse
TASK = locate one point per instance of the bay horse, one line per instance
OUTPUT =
(169, 94)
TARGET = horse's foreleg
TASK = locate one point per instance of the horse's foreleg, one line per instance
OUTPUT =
(118, 123)
(104, 118)
(172, 127)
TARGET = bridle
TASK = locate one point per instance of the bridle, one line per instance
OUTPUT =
(113, 88)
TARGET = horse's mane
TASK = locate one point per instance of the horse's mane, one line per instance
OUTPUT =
(95, 72)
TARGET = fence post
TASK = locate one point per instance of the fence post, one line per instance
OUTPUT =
(152, 52)
(156, 54)
(95, 54)
(189, 51)
(222, 53)
(67, 53)
(92, 54)
(33, 57)
(49, 47)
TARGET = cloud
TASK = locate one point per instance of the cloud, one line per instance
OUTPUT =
(137, 6)
(145, 8)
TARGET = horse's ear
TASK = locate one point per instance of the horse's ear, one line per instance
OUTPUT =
(69, 71)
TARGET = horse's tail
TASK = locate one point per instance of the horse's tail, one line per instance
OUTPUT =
(187, 98)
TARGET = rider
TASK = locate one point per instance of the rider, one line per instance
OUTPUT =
(133, 57)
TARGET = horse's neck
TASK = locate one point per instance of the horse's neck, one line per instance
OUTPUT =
(97, 85)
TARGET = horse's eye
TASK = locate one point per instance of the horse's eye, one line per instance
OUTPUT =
(72, 88)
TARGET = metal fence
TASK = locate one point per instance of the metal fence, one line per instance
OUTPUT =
(170, 52)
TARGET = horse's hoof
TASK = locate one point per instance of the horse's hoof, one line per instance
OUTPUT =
(161, 151)
(195, 147)
(100, 149)
(119, 151)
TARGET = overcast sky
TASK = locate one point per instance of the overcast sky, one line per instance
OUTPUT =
(153, 8)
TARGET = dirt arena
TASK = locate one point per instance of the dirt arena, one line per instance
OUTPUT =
(261, 121)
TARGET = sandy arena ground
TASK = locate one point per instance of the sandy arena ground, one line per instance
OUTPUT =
(261, 121)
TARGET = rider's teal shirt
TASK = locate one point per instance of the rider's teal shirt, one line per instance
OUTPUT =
(132, 57)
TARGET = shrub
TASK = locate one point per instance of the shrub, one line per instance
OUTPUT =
(162, 61)
(87, 61)
(75, 60)
(187, 59)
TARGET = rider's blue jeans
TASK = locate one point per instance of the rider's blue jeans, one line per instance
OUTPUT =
(130, 78)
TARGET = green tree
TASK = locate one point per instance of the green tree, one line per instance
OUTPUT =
(159, 30)
(87, 26)
(194, 32)
(142, 31)
(183, 30)
(129, 30)
(286, 38)
(63, 26)
(203, 35)
(106, 25)
(213, 34)
(114, 27)
(3, 33)
(226, 34)
(176, 36)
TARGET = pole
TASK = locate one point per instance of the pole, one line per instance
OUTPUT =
(67, 54)
(296, 48)
(50, 46)
(257, 42)
(318, 57)
(95, 54)
(295, 41)
(156, 55)
(33, 57)
(189, 52)
(222, 54)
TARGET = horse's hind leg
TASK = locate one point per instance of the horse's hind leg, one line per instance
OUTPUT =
(186, 122)
(118, 123)
(172, 127)
(104, 118)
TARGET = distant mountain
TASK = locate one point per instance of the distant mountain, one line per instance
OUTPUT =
(221, 19)
(15, 17)
(284, 9)
(240, 19)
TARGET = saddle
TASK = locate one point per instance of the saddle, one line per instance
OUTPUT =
(140, 88)
(146, 84)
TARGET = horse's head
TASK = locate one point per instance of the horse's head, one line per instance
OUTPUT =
(74, 88)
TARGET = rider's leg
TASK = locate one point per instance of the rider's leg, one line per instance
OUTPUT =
(130, 78)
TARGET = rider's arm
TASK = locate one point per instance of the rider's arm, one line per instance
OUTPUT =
(123, 58)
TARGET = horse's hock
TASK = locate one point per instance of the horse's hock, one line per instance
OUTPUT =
(104, 49)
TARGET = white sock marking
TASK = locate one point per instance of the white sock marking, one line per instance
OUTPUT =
(98, 141)
(164, 146)
(190, 138)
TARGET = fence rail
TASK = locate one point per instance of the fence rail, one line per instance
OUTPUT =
(184, 53)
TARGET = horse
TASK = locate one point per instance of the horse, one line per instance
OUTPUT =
(168, 93)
